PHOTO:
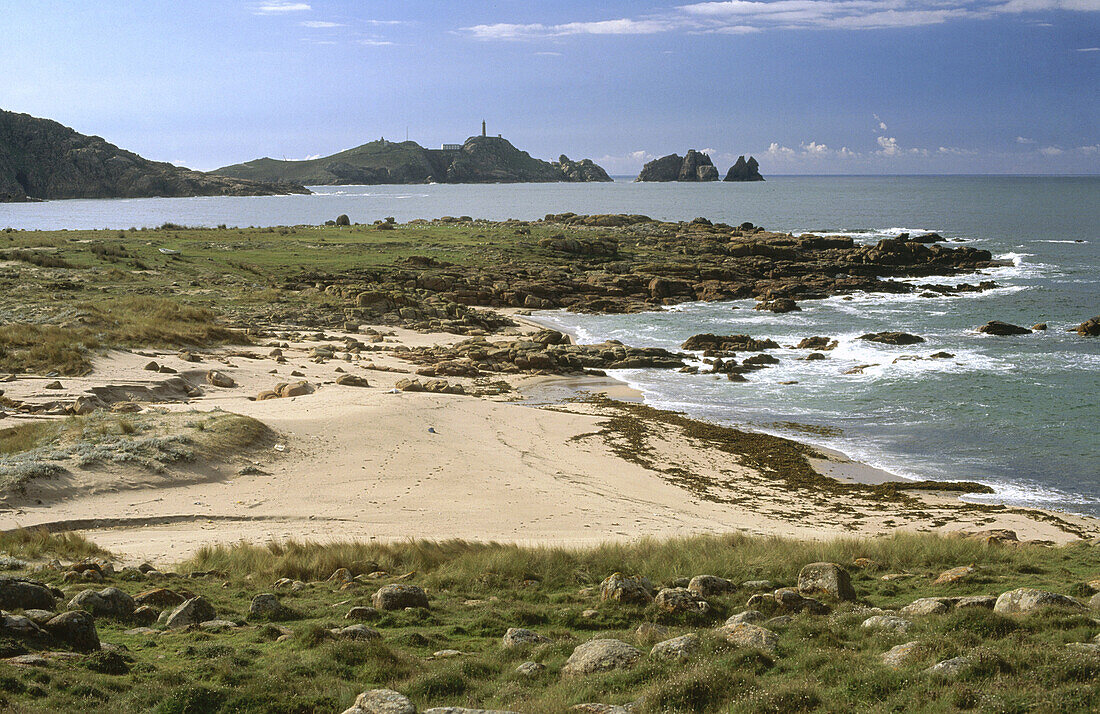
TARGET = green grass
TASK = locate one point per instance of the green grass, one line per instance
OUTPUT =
(67, 294)
(35, 543)
(824, 663)
(132, 321)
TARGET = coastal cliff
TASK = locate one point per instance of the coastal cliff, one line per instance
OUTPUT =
(480, 159)
(695, 166)
(42, 159)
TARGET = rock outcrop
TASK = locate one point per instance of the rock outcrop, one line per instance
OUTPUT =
(41, 159)
(695, 166)
(481, 159)
(744, 170)
(578, 171)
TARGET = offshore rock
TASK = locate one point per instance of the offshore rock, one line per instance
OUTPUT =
(695, 166)
(744, 170)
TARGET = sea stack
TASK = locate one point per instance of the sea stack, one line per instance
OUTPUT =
(695, 166)
(744, 170)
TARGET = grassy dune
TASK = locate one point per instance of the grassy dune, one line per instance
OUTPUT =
(824, 663)
(152, 441)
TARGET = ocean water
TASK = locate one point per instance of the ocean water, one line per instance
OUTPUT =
(1021, 414)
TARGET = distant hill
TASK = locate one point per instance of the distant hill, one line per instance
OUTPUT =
(481, 159)
(42, 159)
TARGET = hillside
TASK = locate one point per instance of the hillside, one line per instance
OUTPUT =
(42, 159)
(481, 159)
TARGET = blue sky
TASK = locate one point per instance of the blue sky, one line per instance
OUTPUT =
(808, 86)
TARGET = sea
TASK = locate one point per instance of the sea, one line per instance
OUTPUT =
(1021, 414)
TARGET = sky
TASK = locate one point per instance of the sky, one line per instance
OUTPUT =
(807, 86)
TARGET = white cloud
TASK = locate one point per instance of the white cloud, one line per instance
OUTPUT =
(747, 16)
(709, 152)
(955, 151)
(815, 149)
(1089, 150)
(1024, 140)
(1051, 151)
(889, 146)
(509, 31)
(775, 150)
(280, 7)
(548, 54)
(375, 43)
(1087, 49)
(318, 24)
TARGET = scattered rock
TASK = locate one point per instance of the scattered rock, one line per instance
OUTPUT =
(108, 602)
(748, 616)
(381, 701)
(779, 305)
(220, 379)
(1024, 601)
(950, 668)
(1089, 328)
(190, 612)
(626, 589)
(363, 613)
(887, 622)
(76, 628)
(892, 338)
(902, 654)
(678, 648)
(530, 669)
(706, 586)
(519, 637)
(826, 579)
(681, 600)
(351, 380)
(19, 594)
(1003, 329)
(955, 575)
(927, 606)
(356, 632)
(600, 656)
(399, 596)
(976, 602)
(747, 635)
(266, 606)
(159, 597)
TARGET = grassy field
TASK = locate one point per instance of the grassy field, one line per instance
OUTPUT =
(65, 294)
(824, 663)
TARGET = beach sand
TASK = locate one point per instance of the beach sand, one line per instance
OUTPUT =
(367, 463)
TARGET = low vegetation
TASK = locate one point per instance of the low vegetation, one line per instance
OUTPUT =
(152, 440)
(823, 663)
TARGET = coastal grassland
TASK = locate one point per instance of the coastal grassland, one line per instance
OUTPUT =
(152, 441)
(107, 322)
(823, 663)
(65, 294)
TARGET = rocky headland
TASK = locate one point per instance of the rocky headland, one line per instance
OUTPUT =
(480, 159)
(41, 159)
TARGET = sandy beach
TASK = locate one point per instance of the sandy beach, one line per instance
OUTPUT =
(378, 463)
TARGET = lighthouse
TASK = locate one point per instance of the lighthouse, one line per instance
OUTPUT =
(483, 127)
